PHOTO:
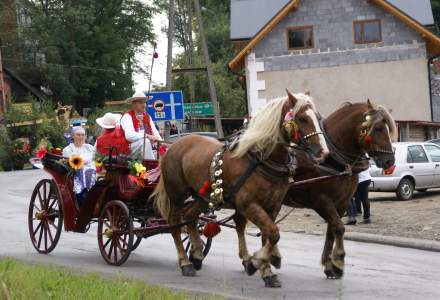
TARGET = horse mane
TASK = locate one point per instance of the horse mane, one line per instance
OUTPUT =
(264, 129)
(390, 122)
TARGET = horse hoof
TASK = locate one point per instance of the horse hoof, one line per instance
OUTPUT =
(188, 270)
(339, 273)
(245, 265)
(275, 261)
(197, 263)
(249, 267)
(334, 273)
(330, 274)
(272, 281)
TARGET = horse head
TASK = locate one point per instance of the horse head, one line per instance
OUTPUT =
(283, 121)
(377, 132)
(302, 125)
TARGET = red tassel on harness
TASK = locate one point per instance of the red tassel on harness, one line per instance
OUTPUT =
(211, 229)
(296, 136)
(162, 149)
(204, 189)
(368, 139)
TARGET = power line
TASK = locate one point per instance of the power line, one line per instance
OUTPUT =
(63, 66)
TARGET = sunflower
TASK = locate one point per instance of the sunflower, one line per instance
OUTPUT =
(76, 162)
(98, 163)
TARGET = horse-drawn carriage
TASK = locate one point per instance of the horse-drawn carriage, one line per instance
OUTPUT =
(122, 210)
(116, 206)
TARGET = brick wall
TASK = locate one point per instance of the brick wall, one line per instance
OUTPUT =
(332, 22)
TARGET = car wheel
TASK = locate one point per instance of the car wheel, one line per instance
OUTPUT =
(405, 189)
(422, 190)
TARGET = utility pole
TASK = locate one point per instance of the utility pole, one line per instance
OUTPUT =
(170, 44)
(170, 57)
(189, 30)
(212, 91)
(2, 86)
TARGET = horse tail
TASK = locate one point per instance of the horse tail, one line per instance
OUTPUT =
(161, 199)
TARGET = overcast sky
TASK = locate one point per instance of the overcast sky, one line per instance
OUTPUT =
(160, 64)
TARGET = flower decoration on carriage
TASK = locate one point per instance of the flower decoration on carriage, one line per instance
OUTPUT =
(99, 163)
(41, 152)
(139, 168)
(76, 162)
(44, 146)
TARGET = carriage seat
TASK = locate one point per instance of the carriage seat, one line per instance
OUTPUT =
(129, 188)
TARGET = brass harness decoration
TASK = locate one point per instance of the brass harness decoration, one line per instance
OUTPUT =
(216, 199)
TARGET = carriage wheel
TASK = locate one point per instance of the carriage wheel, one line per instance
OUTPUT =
(138, 240)
(136, 243)
(45, 216)
(206, 241)
(115, 233)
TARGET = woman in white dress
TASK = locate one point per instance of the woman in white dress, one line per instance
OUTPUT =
(84, 178)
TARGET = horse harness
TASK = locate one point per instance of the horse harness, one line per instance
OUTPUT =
(349, 162)
(271, 170)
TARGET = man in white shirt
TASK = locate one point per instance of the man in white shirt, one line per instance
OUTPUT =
(139, 128)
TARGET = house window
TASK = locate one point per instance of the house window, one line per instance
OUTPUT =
(368, 31)
(300, 37)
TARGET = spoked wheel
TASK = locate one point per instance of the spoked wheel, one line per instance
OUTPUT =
(115, 233)
(45, 217)
(138, 239)
(206, 241)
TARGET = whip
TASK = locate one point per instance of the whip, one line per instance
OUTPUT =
(154, 56)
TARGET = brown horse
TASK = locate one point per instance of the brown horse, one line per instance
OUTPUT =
(191, 165)
(351, 131)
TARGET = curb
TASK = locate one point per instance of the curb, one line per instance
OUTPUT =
(419, 244)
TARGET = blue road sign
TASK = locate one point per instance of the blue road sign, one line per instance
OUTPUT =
(166, 106)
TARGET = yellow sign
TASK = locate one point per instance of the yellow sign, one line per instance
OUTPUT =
(24, 107)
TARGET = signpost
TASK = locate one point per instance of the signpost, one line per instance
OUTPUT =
(199, 109)
(166, 106)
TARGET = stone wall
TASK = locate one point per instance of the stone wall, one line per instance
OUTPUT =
(332, 22)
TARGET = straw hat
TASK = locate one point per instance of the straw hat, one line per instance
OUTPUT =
(109, 120)
(138, 96)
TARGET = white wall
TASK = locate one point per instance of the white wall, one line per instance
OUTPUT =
(401, 86)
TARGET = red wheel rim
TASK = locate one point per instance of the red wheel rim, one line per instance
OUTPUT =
(115, 233)
(45, 217)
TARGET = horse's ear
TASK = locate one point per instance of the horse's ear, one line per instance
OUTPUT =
(370, 105)
(292, 98)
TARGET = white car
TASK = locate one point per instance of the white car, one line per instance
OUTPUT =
(417, 167)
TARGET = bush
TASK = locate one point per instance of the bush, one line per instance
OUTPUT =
(17, 140)
(5, 150)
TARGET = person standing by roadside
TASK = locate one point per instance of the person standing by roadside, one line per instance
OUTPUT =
(360, 195)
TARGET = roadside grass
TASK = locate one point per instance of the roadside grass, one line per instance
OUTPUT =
(19, 281)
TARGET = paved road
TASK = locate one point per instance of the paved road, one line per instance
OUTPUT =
(372, 272)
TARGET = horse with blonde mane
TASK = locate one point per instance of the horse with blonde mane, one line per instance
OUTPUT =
(252, 178)
(351, 132)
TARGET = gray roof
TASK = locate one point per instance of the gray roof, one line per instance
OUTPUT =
(419, 10)
(249, 16)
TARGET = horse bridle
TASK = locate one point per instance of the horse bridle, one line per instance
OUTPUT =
(341, 157)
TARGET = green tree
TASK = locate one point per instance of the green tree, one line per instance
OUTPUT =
(216, 15)
(436, 10)
(84, 50)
